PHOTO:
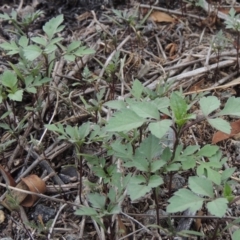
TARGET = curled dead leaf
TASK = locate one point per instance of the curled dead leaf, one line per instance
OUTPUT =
(15, 198)
(158, 16)
(172, 48)
(36, 185)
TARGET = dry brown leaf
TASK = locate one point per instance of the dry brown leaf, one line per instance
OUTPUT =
(7, 177)
(122, 227)
(30, 183)
(220, 136)
(36, 185)
(14, 198)
(172, 48)
(198, 221)
(2, 216)
(161, 17)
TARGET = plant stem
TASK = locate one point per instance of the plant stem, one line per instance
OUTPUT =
(157, 206)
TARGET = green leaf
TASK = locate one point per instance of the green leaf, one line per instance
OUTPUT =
(209, 104)
(115, 104)
(9, 79)
(227, 173)
(50, 48)
(188, 163)
(190, 150)
(136, 191)
(99, 172)
(173, 167)
(184, 199)
(71, 132)
(54, 128)
(73, 45)
(31, 89)
(52, 26)
(23, 41)
(236, 235)
(114, 210)
(86, 211)
(160, 128)
(82, 51)
(40, 40)
(97, 200)
(189, 233)
(166, 154)
(69, 57)
(162, 104)
(125, 120)
(31, 52)
(214, 176)
(5, 16)
(123, 151)
(5, 126)
(55, 40)
(200, 3)
(17, 96)
(17, 71)
(220, 124)
(84, 130)
(208, 150)
(201, 186)
(179, 108)
(145, 110)
(216, 158)
(155, 181)
(112, 195)
(141, 163)
(149, 148)
(12, 46)
(139, 179)
(137, 89)
(231, 107)
(157, 165)
(227, 193)
(218, 207)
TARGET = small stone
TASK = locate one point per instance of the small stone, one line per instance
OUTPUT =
(46, 213)
(72, 237)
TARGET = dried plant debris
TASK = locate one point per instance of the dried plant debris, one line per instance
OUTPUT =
(119, 119)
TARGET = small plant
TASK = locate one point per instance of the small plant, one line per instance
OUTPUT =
(45, 48)
(141, 135)
(41, 228)
(219, 43)
(233, 22)
(78, 136)
(21, 26)
(152, 161)
(30, 77)
(111, 71)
